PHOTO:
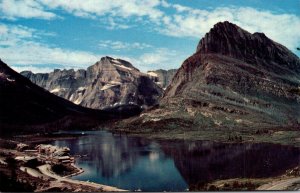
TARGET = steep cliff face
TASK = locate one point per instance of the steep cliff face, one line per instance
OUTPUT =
(235, 79)
(109, 82)
(162, 77)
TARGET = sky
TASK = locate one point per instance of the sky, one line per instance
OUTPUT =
(42, 35)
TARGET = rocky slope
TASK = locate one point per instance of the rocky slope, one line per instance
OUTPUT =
(162, 77)
(109, 82)
(26, 107)
(235, 79)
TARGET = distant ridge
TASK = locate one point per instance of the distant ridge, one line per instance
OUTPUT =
(162, 77)
(107, 83)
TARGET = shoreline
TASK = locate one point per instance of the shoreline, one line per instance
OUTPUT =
(275, 136)
(280, 184)
(283, 137)
(80, 171)
(289, 137)
(46, 170)
(43, 172)
(285, 181)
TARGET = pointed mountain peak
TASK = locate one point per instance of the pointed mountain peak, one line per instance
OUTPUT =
(106, 58)
(117, 62)
(228, 29)
(225, 25)
(221, 38)
(228, 39)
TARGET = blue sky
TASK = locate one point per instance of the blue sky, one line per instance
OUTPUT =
(41, 35)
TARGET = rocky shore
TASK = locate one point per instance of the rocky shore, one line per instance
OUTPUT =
(41, 168)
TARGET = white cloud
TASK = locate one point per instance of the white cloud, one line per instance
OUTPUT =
(30, 53)
(118, 45)
(111, 24)
(185, 22)
(13, 34)
(189, 22)
(160, 58)
(32, 69)
(13, 9)
(283, 28)
(112, 14)
(92, 8)
(19, 45)
(165, 4)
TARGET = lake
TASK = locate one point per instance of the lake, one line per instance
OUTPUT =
(136, 163)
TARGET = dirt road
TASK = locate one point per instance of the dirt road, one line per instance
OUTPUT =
(279, 185)
(46, 170)
(32, 172)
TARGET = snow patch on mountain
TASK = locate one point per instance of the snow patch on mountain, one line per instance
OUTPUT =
(152, 74)
(122, 66)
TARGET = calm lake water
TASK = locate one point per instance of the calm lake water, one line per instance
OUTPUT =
(135, 163)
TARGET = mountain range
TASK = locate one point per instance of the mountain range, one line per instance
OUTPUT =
(235, 79)
(107, 83)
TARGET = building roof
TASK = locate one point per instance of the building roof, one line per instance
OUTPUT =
(25, 158)
(62, 157)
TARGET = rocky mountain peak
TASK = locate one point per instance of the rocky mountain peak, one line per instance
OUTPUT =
(221, 38)
(117, 62)
(230, 40)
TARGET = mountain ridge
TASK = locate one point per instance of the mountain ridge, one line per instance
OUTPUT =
(107, 83)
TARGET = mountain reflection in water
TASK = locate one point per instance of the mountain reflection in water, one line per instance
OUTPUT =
(136, 163)
(209, 161)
